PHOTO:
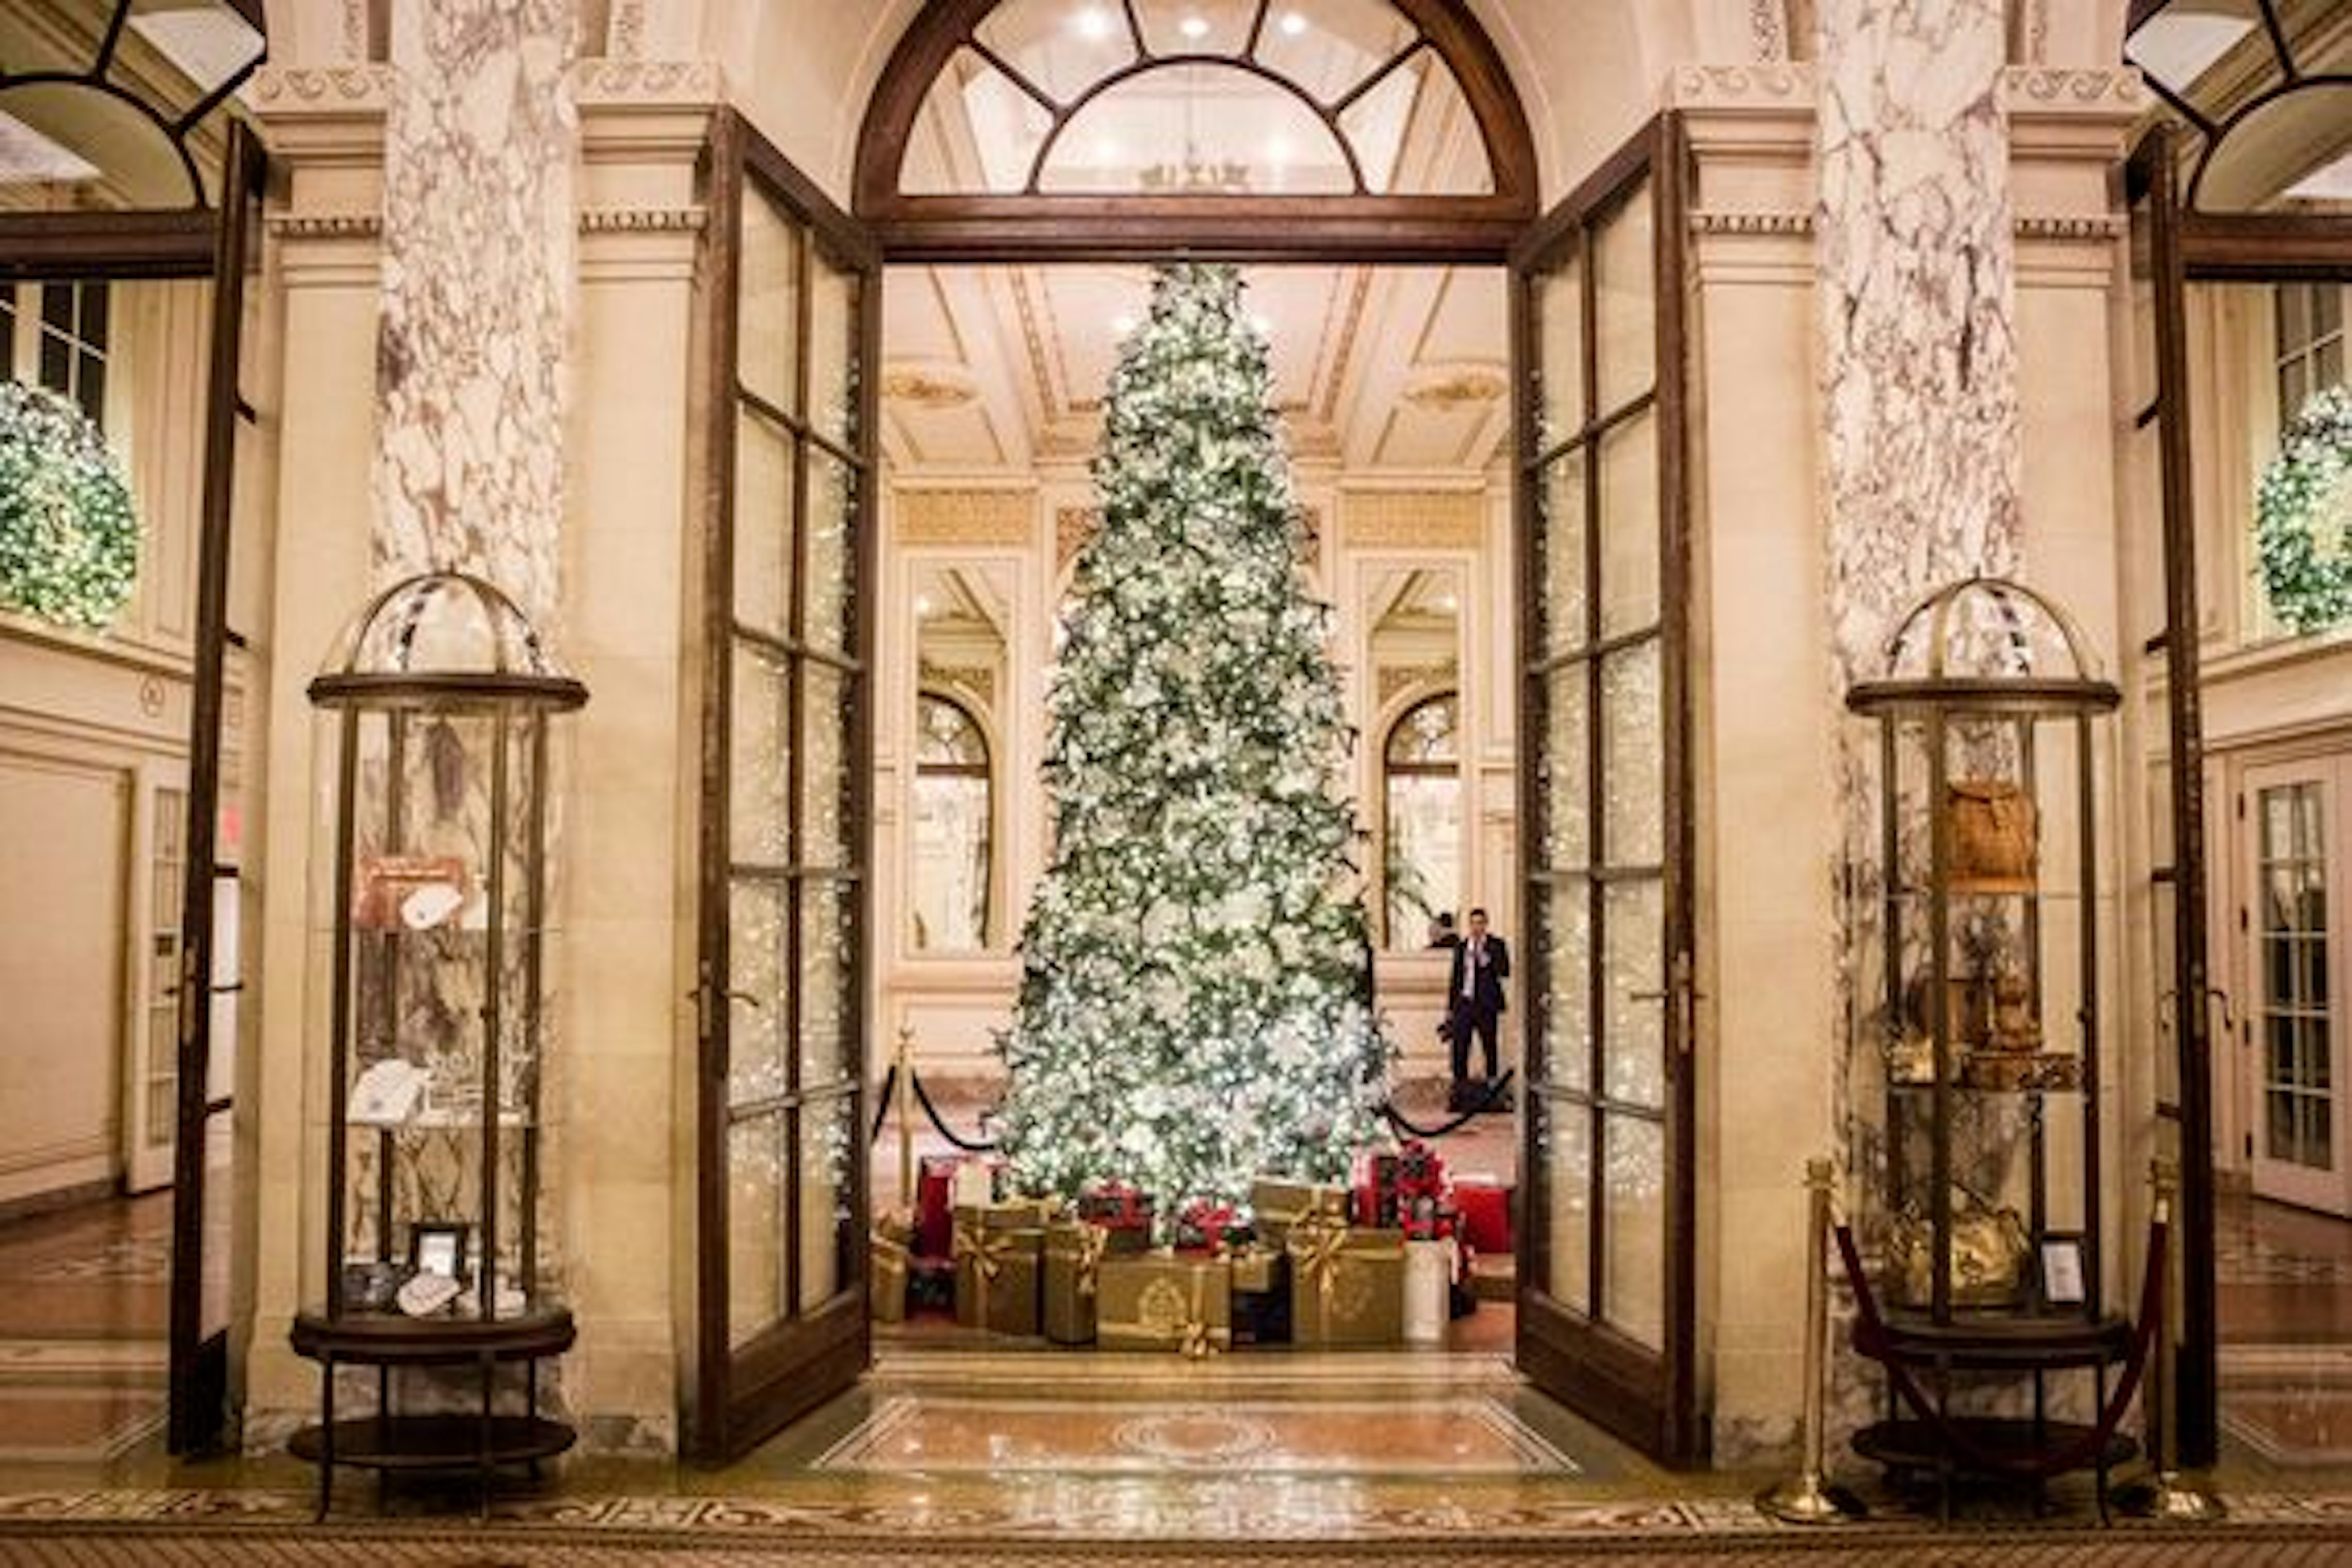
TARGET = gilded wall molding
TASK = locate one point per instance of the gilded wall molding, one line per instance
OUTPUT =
(295, 90)
(2030, 225)
(1389, 520)
(967, 517)
(2029, 88)
(2072, 226)
(653, 83)
(642, 220)
(1774, 86)
(1395, 679)
(1796, 225)
(1073, 526)
(326, 226)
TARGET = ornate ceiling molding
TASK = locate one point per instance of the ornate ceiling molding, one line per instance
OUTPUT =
(929, 384)
(1452, 387)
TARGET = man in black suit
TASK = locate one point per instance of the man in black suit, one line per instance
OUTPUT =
(1475, 996)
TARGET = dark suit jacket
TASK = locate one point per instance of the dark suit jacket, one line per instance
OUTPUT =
(1486, 987)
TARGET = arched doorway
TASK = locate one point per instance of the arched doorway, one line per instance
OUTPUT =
(1007, 130)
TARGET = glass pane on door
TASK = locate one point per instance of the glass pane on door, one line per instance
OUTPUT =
(782, 1189)
(2292, 940)
(1603, 645)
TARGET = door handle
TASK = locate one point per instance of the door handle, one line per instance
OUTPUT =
(1683, 992)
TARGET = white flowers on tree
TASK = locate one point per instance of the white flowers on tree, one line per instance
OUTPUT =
(1194, 1001)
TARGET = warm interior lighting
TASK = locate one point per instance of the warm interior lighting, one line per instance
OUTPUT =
(1293, 24)
(1094, 22)
(2328, 182)
(1194, 28)
(27, 157)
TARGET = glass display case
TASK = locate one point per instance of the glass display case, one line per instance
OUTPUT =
(438, 719)
(1985, 947)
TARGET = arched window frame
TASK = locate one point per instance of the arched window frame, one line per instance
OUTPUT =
(1241, 226)
(985, 771)
(1391, 769)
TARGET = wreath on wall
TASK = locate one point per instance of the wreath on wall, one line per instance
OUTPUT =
(2303, 517)
(69, 537)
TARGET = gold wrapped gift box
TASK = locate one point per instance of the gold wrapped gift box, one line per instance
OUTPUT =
(1277, 1204)
(998, 1251)
(1347, 1284)
(1074, 1250)
(1160, 1300)
(890, 1257)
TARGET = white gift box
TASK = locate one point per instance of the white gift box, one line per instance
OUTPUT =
(1428, 1274)
(974, 1182)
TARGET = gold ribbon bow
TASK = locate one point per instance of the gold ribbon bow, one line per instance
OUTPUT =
(888, 1250)
(987, 1249)
(1316, 1243)
(1198, 1344)
(1092, 1240)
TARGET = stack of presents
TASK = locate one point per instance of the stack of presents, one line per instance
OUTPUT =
(1384, 1261)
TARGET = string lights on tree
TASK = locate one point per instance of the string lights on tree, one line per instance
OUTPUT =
(1194, 1004)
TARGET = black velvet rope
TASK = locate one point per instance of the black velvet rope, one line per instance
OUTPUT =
(1869, 1330)
(882, 1103)
(1497, 1094)
(923, 1097)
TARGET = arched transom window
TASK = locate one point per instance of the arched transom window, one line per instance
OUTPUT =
(998, 116)
(1421, 782)
(954, 813)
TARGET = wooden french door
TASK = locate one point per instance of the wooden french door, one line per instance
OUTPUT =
(793, 316)
(205, 1147)
(2296, 970)
(1606, 1286)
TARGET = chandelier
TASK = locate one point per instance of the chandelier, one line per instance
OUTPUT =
(1195, 175)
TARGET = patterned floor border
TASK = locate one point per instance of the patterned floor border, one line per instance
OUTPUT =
(1103, 1512)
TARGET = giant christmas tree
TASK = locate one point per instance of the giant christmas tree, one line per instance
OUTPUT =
(1193, 1007)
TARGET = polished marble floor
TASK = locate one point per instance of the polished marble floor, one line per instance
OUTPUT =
(952, 1432)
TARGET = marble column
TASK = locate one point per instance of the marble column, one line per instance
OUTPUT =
(478, 223)
(1918, 306)
(1913, 237)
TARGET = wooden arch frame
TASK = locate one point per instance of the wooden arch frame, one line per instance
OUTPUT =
(1046, 226)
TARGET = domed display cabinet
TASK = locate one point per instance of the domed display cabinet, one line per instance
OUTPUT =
(1982, 1181)
(438, 718)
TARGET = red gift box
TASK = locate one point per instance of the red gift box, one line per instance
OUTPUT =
(1485, 1209)
(1203, 1227)
(935, 1206)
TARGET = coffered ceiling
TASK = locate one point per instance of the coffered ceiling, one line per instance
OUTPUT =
(998, 369)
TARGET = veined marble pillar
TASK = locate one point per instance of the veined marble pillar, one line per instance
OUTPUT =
(1912, 245)
(479, 223)
(1918, 306)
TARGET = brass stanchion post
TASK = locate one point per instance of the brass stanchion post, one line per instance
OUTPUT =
(2165, 1493)
(1806, 1497)
(903, 1064)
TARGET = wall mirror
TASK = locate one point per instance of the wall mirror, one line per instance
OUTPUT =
(1412, 614)
(958, 726)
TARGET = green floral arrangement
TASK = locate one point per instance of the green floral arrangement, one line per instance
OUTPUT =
(2303, 517)
(69, 537)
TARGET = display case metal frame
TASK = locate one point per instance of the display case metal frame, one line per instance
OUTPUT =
(380, 675)
(1924, 701)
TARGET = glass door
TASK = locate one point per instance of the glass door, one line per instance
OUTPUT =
(209, 955)
(1606, 1288)
(792, 295)
(2295, 953)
